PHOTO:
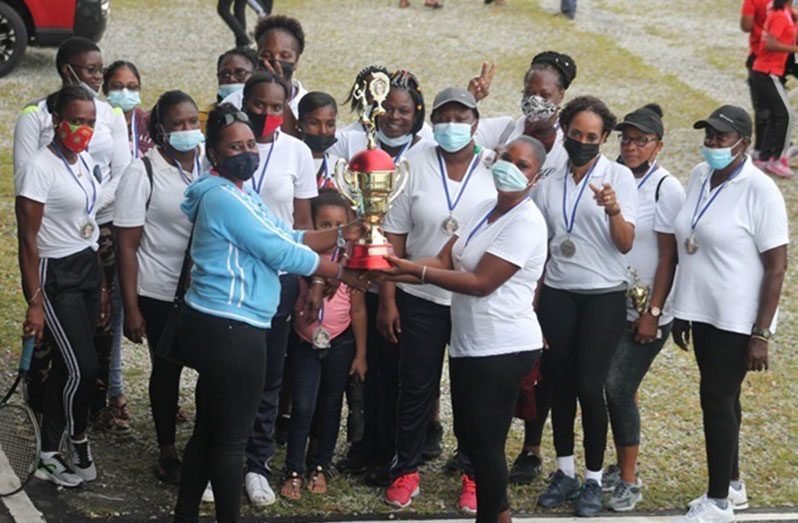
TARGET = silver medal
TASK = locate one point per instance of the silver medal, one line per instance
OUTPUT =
(568, 248)
(321, 338)
(450, 225)
(691, 244)
(87, 231)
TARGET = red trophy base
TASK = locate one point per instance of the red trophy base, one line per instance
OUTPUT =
(370, 256)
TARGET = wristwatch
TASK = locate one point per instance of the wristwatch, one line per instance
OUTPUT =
(763, 333)
(655, 311)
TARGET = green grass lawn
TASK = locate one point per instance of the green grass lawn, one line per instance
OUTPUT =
(175, 44)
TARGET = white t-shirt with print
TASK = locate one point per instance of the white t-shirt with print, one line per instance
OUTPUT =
(108, 147)
(596, 264)
(653, 216)
(286, 171)
(720, 283)
(166, 228)
(420, 210)
(504, 321)
(46, 180)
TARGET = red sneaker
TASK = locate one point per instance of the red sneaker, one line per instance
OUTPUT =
(403, 490)
(468, 496)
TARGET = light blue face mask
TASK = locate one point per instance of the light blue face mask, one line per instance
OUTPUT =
(399, 141)
(721, 157)
(507, 177)
(125, 99)
(452, 136)
(226, 90)
(185, 141)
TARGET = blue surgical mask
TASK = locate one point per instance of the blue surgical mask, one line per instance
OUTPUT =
(507, 177)
(125, 99)
(452, 136)
(226, 90)
(719, 158)
(185, 141)
(399, 141)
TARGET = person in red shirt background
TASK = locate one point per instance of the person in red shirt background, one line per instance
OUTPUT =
(752, 20)
(771, 105)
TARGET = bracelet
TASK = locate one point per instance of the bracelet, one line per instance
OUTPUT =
(318, 281)
(760, 338)
(340, 272)
(616, 213)
(424, 275)
(35, 294)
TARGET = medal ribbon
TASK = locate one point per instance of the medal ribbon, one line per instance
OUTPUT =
(186, 179)
(89, 204)
(698, 215)
(323, 176)
(569, 226)
(645, 178)
(485, 218)
(445, 175)
(402, 151)
(257, 186)
(134, 134)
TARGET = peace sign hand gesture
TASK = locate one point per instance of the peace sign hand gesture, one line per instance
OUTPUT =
(479, 86)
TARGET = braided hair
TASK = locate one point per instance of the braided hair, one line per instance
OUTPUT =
(403, 79)
(355, 104)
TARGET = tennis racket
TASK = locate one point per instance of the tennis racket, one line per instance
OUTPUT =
(20, 441)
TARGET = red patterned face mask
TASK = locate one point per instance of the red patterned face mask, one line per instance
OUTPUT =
(76, 138)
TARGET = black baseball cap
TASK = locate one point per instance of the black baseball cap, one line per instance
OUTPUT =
(728, 119)
(647, 119)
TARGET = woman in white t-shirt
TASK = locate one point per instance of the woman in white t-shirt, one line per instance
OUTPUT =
(286, 181)
(318, 114)
(653, 258)
(57, 192)
(491, 264)
(151, 235)
(448, 183)
(732, 235)
(583, 300)
(399, 129)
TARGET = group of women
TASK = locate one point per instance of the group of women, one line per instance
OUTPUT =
(513, 242)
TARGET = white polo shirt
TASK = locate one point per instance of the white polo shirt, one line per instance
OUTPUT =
(108, 147)
(286, 171)
(45, 179)
(653, 216)
(501, 130)
(504, 321)
(237, 98)
(353, 139)
(166, 228)
(420, 210)
(597, 263)
(720, 283)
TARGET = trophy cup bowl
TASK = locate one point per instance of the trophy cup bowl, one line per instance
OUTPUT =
(371, 181)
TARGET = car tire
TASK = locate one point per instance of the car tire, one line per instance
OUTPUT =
(13, 38)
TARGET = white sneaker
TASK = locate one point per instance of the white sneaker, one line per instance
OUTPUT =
(81, 460)
(207, 494)
(55, 470)
(738, 498)
(258, 490)
(706, 511)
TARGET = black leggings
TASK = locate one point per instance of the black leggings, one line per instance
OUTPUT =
(164, 385)
(230, 358)
(721, 362)
(582, 331)
(773, 114)
(71, 293)
(533, 430)
(235, 20)
(484, 392)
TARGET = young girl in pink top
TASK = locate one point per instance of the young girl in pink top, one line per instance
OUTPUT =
(326, 348)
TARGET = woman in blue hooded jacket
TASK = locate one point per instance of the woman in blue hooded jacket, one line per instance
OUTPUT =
(238, 250)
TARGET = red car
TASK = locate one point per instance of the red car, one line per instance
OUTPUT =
(46, 23)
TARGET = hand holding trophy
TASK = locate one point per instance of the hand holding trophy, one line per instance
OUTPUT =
(371, 181)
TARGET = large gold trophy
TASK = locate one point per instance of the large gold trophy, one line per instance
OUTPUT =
(371, 180)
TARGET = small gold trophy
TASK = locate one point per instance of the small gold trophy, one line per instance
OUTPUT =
(638, 293)
(371, 181)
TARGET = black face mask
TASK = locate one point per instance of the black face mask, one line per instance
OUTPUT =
(256, 122)
(640, 169)
(241, 166)
(318, 143)
(288, 68)
(580, 153)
